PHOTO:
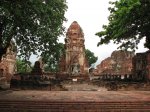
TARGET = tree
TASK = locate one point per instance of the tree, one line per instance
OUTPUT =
(128, 24)
(90, 57)
(23, 66)
(52, 61)
(34, 25)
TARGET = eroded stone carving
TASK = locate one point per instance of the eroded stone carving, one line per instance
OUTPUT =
(74, 61)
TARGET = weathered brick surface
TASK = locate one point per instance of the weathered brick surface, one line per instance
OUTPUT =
(73, 101)
(75, 51)
(120, 62)
(141, 65)
(8, 64)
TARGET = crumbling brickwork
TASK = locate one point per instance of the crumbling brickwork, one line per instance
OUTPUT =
(74, 60)
(8, 63)
(141, 65)
(120, 62)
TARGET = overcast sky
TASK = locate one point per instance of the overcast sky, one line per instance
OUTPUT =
(91, 15)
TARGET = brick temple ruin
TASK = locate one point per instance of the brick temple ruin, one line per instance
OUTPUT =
(74, 61)
(141, 65)
(120, 62)
(124, 64)
(8, 63)
(73, 66)
(8, 66)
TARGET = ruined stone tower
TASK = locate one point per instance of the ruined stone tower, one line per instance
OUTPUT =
(74, 61)
(8, 63)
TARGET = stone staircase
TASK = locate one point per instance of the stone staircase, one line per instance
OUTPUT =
(74, 106)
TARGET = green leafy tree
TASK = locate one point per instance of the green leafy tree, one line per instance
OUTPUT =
(52, 61)
(34, 25)
(23, 66)
(129, 22)
(90, 57)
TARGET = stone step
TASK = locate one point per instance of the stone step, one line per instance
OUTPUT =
(59, 106)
